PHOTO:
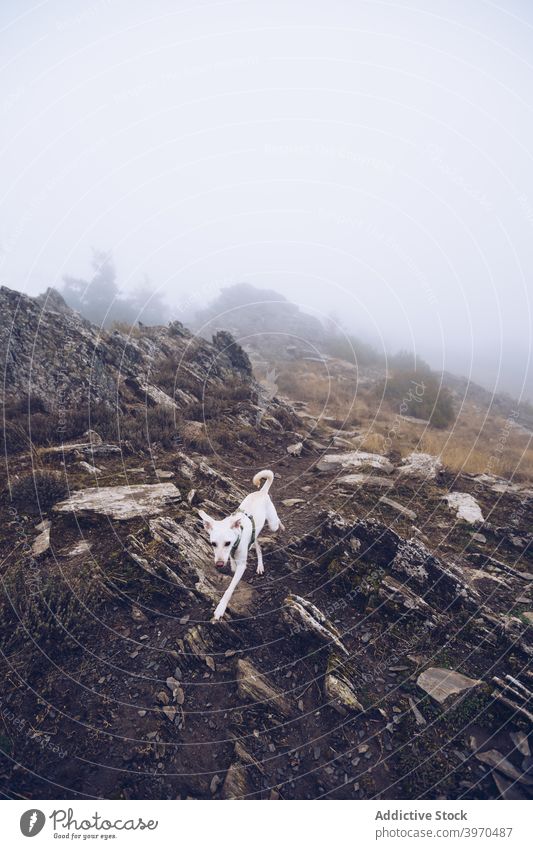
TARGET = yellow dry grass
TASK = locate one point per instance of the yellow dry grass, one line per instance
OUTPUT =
(475, 444)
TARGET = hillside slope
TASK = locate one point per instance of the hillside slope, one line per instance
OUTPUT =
(384, 654)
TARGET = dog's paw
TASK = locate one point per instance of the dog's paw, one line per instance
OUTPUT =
(219, 612)
(260, 570)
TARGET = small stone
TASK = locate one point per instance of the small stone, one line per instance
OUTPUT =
(521, 742)
(175, 688)
(170, 712)
(295, 449)
(41, 543)
(216, 781)
(479, 537)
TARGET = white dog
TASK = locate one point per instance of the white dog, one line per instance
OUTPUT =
(232, 537)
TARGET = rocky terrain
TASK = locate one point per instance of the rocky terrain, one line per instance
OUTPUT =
(385, 653)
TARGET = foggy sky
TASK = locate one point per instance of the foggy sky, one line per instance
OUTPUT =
(370, 159)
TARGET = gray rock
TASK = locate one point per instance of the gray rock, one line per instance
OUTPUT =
(441, 683)
(465, 506)
(93, 470)
(339, 689)
(405, 511)
(255, 687)
(354, 460)
(93, 437)
(295, 449)
(41, 543)
(355, 480)
(301, 615)
(497, 761)
(121, 502)
(419, 465)
(521, 742)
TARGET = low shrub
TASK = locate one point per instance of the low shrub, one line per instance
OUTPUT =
(420, 395)
(34, 493)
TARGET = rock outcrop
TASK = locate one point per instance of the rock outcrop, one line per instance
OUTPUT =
(122, 502)
(52, 353)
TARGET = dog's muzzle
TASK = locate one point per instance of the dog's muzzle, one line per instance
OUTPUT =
(220, 564)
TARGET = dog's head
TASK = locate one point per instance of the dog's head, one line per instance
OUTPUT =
(222, 536)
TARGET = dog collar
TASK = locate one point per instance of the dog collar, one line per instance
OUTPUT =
(237, 542)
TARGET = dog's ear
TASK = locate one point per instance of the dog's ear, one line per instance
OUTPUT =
(236, 524)
(207, 520)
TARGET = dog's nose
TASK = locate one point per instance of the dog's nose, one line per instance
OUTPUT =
(219, 564)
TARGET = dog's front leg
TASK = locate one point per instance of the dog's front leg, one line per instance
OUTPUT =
(224, 601)
(260, 567)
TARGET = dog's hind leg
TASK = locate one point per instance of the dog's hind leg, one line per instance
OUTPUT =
(260, 568)
(273, 519)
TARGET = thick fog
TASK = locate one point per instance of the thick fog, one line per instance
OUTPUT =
(367, 159)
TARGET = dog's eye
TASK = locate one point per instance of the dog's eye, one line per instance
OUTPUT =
(214, 544)
(227, 543)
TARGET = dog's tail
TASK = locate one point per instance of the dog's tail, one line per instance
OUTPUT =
(265, 475)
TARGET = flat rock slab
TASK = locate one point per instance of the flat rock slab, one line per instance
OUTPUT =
(354, 460)
(419, 465)
(89, 449)
(441, 683)
(496, 760)
(356, 480)
(405, 511)
(122, 502)
(465, 506)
